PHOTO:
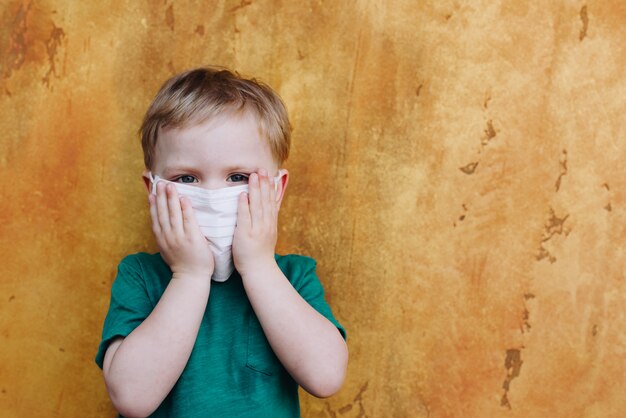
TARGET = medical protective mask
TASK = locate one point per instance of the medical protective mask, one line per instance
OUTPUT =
(216, 214)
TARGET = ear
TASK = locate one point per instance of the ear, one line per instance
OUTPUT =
(282, 185)
(146, 180)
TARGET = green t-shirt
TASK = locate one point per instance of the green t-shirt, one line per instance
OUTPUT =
(232, 370)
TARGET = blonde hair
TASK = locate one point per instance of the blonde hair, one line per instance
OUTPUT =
(198, 95)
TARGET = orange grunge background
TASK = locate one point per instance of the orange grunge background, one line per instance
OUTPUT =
(457, 171)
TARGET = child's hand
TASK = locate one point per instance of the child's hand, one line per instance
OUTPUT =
(257, 219)
(182, 245)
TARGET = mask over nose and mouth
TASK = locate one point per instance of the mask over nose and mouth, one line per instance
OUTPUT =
(216, 214)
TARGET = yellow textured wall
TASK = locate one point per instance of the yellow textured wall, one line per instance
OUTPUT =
(457, 170)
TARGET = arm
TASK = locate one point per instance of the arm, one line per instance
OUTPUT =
(141, 369)
(307, 344)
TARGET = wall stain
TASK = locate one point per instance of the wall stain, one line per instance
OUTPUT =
(59, 403)
(469, 168)
(513, 364)
(487, 99)
(563, 164)
(31, 37)
(525, 326)
(350, 95)
(52, 44)
(200, 30)
(553, 226)
(87, 44)
(418, 90)
(169, 17)
(352, 239)
(17, 47)
(585, 20)
(490, 133)
(171, 68)
(345, 409)
(608, 206)
(329, 410)
(358, 400)
(244, 3)
(462, 216)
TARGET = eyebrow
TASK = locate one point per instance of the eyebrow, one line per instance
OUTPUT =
(241, 168)
(235, 168)
(169, 170)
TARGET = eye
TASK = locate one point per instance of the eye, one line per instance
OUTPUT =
(238, 178)
(185, 179)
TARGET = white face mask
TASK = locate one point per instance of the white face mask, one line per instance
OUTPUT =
(216, 214)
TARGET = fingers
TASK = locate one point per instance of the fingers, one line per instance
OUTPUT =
(243, 212)
(174, 216)
(189, 220)
(267, 196)
(156, 228)
(174, 208)
(263, 184)
(161, 206)
(166, 210)
(256, 209)
(180, 239)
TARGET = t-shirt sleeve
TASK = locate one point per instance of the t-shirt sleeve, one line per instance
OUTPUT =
(129, 306)
(310, 288)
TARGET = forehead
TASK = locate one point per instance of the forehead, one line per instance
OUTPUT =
(230, 139)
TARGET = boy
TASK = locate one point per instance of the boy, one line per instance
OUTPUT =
(193, 331)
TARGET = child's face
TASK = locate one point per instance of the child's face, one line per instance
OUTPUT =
(219, 153)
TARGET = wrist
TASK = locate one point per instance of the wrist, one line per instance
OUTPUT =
(258, 267)
(191, 270)
(192, 277)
